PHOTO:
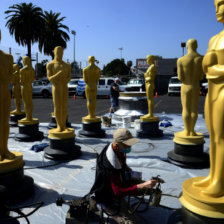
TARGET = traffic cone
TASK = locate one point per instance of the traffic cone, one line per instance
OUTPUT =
(74, 97)
(156, 95)
(200, 93)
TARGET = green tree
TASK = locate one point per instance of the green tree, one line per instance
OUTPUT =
(75, 68)
(54, 33)
(41, 69)
(25, 22)
(115, 67)
(129, 64)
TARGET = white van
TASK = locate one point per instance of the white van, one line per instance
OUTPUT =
(103, 87)
(174, 86)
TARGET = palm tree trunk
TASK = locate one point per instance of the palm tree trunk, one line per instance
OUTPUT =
(29, 49)
(52, 56)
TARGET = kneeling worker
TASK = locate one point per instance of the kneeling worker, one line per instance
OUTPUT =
(110, 186)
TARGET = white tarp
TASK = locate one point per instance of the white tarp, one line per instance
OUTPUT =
(75, 178)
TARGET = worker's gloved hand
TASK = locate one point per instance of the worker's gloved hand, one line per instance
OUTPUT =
(147, 184)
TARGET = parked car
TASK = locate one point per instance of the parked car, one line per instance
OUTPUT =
(103, 87)
(134, 85)
(72, 85)
(174, 86)
(40, 88)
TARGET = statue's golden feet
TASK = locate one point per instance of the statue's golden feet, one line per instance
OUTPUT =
(214, 190)
(148, 116)
(203, 183)
(193, 133)
(9, 155)
(184, 133)
(26, 119)
(59, 130)
(14, 111)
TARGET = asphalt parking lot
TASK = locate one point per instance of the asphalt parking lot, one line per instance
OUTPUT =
(77, 107)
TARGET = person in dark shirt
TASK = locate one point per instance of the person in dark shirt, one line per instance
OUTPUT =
(111, 186)
(114, 94)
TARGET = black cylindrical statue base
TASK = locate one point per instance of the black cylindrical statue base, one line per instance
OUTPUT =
(189, 217)
(62, 149)
(29, 133)
(53, 123)
(149, 129)
(19, 186)
(189, 156)
(92, 129)
(13, 121)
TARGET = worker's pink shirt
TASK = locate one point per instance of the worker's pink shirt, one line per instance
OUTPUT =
(118, 188)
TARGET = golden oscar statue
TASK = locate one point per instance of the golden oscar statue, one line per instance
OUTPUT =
(189, 70)
(91, 76)
(16, 114)
(26, 78)
(59, 73)
(11, 163)
(188, 144)
(6, 70)
(205, 195)
(150, 87)
(16, 90)
(149, 122)
(91, 123)
(28, 126)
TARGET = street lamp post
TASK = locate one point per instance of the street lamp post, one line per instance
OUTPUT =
(183, 45)
(74, 33)
(120, 48)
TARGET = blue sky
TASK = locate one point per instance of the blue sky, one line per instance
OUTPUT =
(141, 27)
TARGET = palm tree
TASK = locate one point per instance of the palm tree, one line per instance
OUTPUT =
(25, 22)
(54, 34)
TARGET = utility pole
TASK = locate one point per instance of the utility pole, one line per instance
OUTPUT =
(36, 65)
(120, 48)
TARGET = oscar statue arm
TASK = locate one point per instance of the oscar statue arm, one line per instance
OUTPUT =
(98, 75)
(180, 72)
(210, 59)
(211, 67)
(22, 76)
(85, 77)
(150, 74)
(51, 76)
(202, 74)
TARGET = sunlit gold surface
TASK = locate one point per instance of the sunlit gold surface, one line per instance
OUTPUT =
(189, 69)
(149, 119)
(26, 79)
(16, 90)
(205, 195)
(91, 75)
(59, 73)
(150, 86)
(188, 140)
(67, 133)
(6, 70)
(90, 120)
(12, 164)
(194, 200)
